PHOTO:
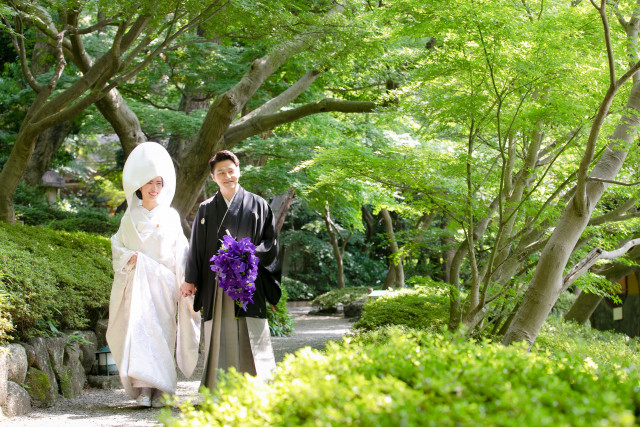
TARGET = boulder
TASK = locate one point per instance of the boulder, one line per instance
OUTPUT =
(88, 350)
(31, 353)
(72, 380)
(18, 401)
(17, 363)
(3, 374)
(42, 364)
(105, 382)
(101, 332)
(354, 309)
(43, 395)
(55, 348)
(72, 376)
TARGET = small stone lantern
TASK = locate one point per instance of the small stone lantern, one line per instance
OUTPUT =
(106, 363)
(52, 182)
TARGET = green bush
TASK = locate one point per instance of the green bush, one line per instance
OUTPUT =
(297, 290)
(5, 318)
(396, 376)
(71, 214)
(424, 307)
(53, 279)
(280, 323)
(328, 301)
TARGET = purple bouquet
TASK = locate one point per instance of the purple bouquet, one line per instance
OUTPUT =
(237, 268)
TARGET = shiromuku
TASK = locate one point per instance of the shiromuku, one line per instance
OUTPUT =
(149, 321)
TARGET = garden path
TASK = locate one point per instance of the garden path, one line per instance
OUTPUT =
(96, 407)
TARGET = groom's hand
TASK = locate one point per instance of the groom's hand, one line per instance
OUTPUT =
(187, 289)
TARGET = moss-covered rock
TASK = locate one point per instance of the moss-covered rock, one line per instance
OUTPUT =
(39, 388)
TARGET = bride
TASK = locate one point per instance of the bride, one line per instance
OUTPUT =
(147, 315)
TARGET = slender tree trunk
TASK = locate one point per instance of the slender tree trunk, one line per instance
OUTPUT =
(547, 282)
(395, 261)
(336, 248)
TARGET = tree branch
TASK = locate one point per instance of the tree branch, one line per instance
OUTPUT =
(276, 103)
(236, 133)
(591, 258)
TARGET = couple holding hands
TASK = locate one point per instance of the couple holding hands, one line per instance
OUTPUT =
(162, 282)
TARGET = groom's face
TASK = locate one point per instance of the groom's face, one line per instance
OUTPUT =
(226, 174)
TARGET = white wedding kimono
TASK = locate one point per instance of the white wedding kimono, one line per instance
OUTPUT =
(149, 320)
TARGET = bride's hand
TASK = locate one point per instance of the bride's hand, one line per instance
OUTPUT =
(133, 259)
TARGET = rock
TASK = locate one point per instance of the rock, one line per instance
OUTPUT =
(31, 353)
(42, 363)
(18, 401)
(72, 353)
(72, 380)
(101, 332)
(3, 374)
(40, 388)
(17, 363)
(105, 382)
(88, 350)
(354, 309)
(55, 348)
(72, 376)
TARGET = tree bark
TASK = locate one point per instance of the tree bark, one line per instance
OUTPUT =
(47, 145)
(333, 238)
(280, 206)
(395, 261)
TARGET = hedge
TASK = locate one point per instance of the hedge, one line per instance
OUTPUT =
(52, 279)
(424, 307)
(402, 377)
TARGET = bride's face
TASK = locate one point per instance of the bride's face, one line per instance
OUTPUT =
(152, 189)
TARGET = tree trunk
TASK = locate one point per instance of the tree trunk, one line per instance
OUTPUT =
(12, 171)
(547, 283)
(280, 206)
(47, 145)
(583, 307)
(124, 121)
(395, 261)
(390, 278)
(336, 248)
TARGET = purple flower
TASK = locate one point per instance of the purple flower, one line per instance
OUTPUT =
(237, 269)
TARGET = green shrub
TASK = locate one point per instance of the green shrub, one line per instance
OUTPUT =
(105, 227)
(328, 301)
(604, 348)
(53, 279)
(424, 307)
(297, 290)
(280, 323)
(395, 376)
(5, 318)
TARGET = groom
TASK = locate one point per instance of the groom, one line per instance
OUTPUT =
(233, 337)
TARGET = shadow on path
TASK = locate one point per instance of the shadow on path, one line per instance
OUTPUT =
(96, 407)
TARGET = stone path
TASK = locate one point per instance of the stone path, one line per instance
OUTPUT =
(97, 407)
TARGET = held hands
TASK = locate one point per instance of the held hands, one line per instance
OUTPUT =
(187, 289)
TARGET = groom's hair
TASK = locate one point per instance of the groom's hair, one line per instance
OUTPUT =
(222, 156)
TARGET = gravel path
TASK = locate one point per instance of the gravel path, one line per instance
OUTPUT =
(96, 407)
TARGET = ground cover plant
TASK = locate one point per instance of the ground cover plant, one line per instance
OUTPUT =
(423, 307)
(402, 376)
(53, 280)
